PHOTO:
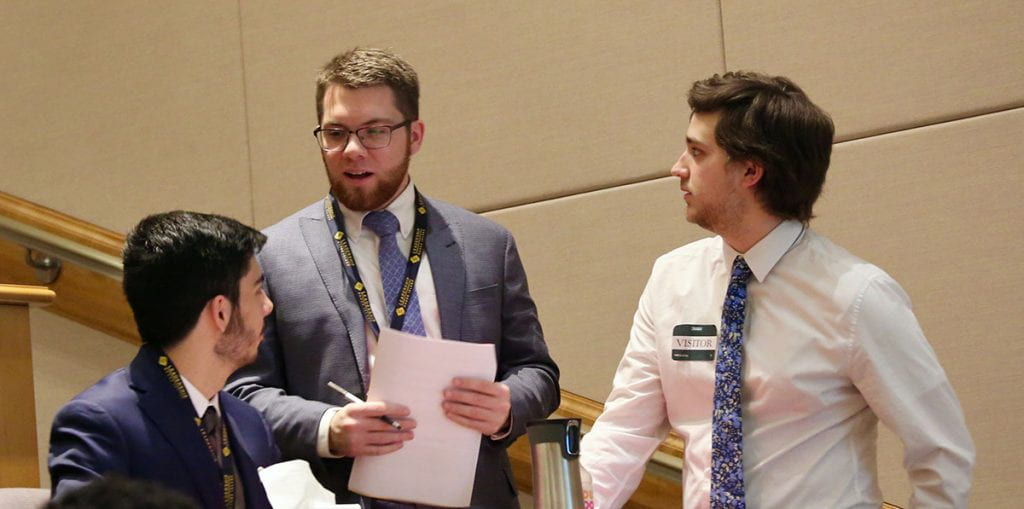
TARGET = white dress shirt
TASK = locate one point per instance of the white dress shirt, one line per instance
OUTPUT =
(364, 244)
(198, 400)
(830, 347)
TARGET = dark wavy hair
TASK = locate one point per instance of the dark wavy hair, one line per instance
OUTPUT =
(770, 120)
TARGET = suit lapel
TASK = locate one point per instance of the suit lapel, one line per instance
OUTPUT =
(317, 235)
(175, 419)
(449, 270)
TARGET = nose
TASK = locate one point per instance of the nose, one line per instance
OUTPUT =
(353, 147)
(268, 305)
(680, 170)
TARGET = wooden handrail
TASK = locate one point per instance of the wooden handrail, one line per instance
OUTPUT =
(26, 294)
(585, 409)
(60, 224)
(660, 487)
(84, 296)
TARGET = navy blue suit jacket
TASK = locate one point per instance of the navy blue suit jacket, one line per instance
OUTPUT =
(134, 423)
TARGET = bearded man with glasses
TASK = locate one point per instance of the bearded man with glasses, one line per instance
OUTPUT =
(469, 284)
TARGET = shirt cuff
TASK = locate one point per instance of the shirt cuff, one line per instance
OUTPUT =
(505, 430)
(323, 435)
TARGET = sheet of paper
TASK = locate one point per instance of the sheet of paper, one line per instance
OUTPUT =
(438, 466)
(291, 485)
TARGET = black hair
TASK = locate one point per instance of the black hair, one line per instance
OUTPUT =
(175, 262)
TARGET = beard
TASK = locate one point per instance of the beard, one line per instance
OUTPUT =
(717, 216)
(362, 199)
(239, 343)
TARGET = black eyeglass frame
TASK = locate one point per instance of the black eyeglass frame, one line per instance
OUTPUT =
(359, 134)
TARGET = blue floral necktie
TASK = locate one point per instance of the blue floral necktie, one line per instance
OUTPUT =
(727, 419)
(392, 269)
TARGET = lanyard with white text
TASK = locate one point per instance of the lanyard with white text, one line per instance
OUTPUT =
(223, 460)
(336, 225)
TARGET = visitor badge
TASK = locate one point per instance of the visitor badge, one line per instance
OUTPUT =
(694, 342)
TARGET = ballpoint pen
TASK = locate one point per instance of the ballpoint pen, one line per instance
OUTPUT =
(352, 398)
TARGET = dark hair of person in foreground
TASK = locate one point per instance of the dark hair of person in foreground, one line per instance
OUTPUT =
(115, 492)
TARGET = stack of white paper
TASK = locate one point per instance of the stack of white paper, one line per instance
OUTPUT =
(438, 466)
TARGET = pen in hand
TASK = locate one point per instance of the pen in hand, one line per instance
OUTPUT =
(352, 398)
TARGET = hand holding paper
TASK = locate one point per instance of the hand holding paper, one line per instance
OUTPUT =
(478, 404)
(357, 429)
(439, 467)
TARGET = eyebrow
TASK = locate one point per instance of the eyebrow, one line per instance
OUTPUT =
(372, 121)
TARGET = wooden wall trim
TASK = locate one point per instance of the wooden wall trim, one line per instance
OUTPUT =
(84, 296)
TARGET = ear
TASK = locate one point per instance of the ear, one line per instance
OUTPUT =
(416, 130)
(753, 171)
(219, 309)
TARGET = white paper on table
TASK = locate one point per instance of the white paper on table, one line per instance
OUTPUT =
(291, 485)
(438, 466)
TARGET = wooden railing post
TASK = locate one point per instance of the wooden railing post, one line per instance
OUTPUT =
(19, 464)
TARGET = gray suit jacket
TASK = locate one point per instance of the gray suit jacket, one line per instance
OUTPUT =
(316, 333)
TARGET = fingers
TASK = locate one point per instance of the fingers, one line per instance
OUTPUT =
(477, 404)
(481, 386)
(358, 430)
(377, 409)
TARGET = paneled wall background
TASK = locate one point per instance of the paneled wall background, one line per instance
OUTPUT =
(559, 120)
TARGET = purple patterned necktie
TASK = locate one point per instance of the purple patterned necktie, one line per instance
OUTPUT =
(727, 419)
(392, 269)
(392, 276)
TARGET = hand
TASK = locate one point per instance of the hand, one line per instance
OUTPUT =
(477, 404)
(357, 430)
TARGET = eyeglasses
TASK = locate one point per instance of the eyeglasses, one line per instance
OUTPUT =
(375, 136)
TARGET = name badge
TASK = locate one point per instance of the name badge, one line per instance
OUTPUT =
(694, 342)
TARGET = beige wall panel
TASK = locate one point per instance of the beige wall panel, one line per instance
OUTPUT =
(114, 109)
(878, 65)
(67, 358)
(938, 208)
(522, 100)
(588, 258)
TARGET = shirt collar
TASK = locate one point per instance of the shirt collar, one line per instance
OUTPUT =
(402, 207)
(198, 400)
(768, 251)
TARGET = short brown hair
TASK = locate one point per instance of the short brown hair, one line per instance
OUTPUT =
(368, 67)
(770, 120)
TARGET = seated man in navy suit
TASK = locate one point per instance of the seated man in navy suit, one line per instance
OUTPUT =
(197, 295)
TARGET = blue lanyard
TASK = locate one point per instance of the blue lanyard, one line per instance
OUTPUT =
(336, 224)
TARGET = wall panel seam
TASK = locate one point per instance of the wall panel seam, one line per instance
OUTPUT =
(721, 30)
(644, 180)
(245, 115)
(935, 121)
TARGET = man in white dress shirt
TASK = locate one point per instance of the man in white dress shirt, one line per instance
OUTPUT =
(829, 345)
